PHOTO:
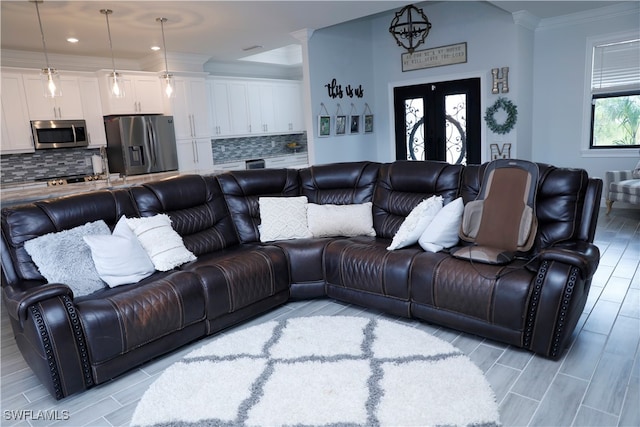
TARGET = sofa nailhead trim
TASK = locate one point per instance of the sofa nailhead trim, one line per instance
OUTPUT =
(78, 334)
(568, 292)
(535, 298)
(44, 335)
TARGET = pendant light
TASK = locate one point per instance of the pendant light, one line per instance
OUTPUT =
(167, 78)
(49, 76)
(115, 79)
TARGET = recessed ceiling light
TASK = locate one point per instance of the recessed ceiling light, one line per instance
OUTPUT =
(73, 40)
(155, 47)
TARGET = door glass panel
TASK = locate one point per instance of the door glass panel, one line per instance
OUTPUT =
(456, 128)
(414, 116)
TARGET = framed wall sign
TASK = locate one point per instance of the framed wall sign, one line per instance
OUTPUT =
(354, 124)
(341, 125)
(324, 126)
(368, 123)
(435, 57)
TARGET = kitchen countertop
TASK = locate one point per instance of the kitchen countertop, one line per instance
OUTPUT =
(12, 194)
(29, 191)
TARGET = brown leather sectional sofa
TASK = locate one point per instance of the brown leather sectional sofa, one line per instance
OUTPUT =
(73, 344)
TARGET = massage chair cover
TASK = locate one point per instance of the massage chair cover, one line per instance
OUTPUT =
(501, 220)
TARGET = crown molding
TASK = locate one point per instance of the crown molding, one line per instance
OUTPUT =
(525, 19)
(176, 61)
(607, 12)
(29, 59)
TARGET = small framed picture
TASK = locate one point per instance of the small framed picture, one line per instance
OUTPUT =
(368, 123)
(341, 125)
(354, 124)
(324, 125)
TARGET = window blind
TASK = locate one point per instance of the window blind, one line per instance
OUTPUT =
(616, 66)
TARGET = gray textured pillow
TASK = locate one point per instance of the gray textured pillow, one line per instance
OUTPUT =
(64, 257)
(636, 172)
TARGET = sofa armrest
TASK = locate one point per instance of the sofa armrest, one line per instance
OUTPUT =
(18, 301)
(585, 256)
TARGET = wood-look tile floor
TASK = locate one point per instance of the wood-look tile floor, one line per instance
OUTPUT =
(596, 383)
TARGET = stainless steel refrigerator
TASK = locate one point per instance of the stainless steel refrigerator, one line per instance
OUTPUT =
(141, 144)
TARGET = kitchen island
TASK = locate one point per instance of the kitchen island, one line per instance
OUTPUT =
(15, 194)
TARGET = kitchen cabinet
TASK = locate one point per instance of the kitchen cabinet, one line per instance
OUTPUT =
(238, 108)
(195, 155)
(92, 110)
(261, 107)
(16, 129)
(67, 106)
(255, 107)
(190, 108)
(288, 107)
(219, 104)
(143, 94)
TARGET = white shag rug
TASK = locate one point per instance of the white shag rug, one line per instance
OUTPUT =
(321, 371)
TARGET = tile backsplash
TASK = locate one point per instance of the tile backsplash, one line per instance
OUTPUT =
(17, 168)
(43, 164)
(232, 149)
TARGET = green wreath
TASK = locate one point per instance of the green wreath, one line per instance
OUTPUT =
(512, 116)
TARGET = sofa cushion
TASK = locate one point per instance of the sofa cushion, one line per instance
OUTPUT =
(630, 187)
(404, 184)
(339, 183)
(64, 257)
(443, 231)
(283, 218)
(365, 264)
(163, 245)
(416, 222)
(119, 258)
(25, 222)
(239, 277)
(242, 190)
(127, 317)
(560, 201)
(340, 220)
(196, 207)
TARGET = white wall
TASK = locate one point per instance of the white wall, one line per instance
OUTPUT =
(491, 38)
(343, 53)
(546, 78)
(561, 60)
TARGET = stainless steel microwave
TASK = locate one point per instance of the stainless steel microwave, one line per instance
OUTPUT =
(59, 134)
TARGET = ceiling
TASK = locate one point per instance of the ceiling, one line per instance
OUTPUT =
(219, 31)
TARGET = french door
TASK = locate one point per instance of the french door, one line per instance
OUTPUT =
(438, 121)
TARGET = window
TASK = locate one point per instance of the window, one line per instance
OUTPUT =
(615, 95)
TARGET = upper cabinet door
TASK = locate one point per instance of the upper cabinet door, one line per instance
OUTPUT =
(142, 94)
(190, 108)
(220, 111)
(238, 108)
(288, 105)
(16, 129)
(148, 94)
(90, 93)
(67, 106)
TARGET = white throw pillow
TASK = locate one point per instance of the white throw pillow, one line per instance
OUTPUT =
(283, 218)
(442, 232)
(340, 220)
(163, 245)
(64, 257)
(416, 222)
(119, 258)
